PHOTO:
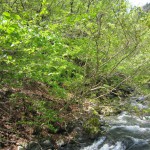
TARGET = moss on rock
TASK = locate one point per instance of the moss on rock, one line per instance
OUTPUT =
(92, 126)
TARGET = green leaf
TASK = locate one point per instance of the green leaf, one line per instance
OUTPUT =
(17, 17)
(9, 57)
(6, 14)
(10, 30)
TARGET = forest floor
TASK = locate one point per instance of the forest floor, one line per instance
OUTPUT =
(12, 114)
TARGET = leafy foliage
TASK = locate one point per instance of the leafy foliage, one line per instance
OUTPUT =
(72, 47)
(146, 7)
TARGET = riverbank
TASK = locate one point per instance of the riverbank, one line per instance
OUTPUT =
(75, 120)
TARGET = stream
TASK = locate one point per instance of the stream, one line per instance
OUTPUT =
(126, 132)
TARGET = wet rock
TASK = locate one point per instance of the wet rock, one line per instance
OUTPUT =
(44, 145)
(20, 148)
(60, 142)
(141, 98)
(33, 146)
(82, 139)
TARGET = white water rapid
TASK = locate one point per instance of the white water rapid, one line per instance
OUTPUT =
(127, 132)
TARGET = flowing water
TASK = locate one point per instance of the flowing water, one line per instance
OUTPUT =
(127, 132)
